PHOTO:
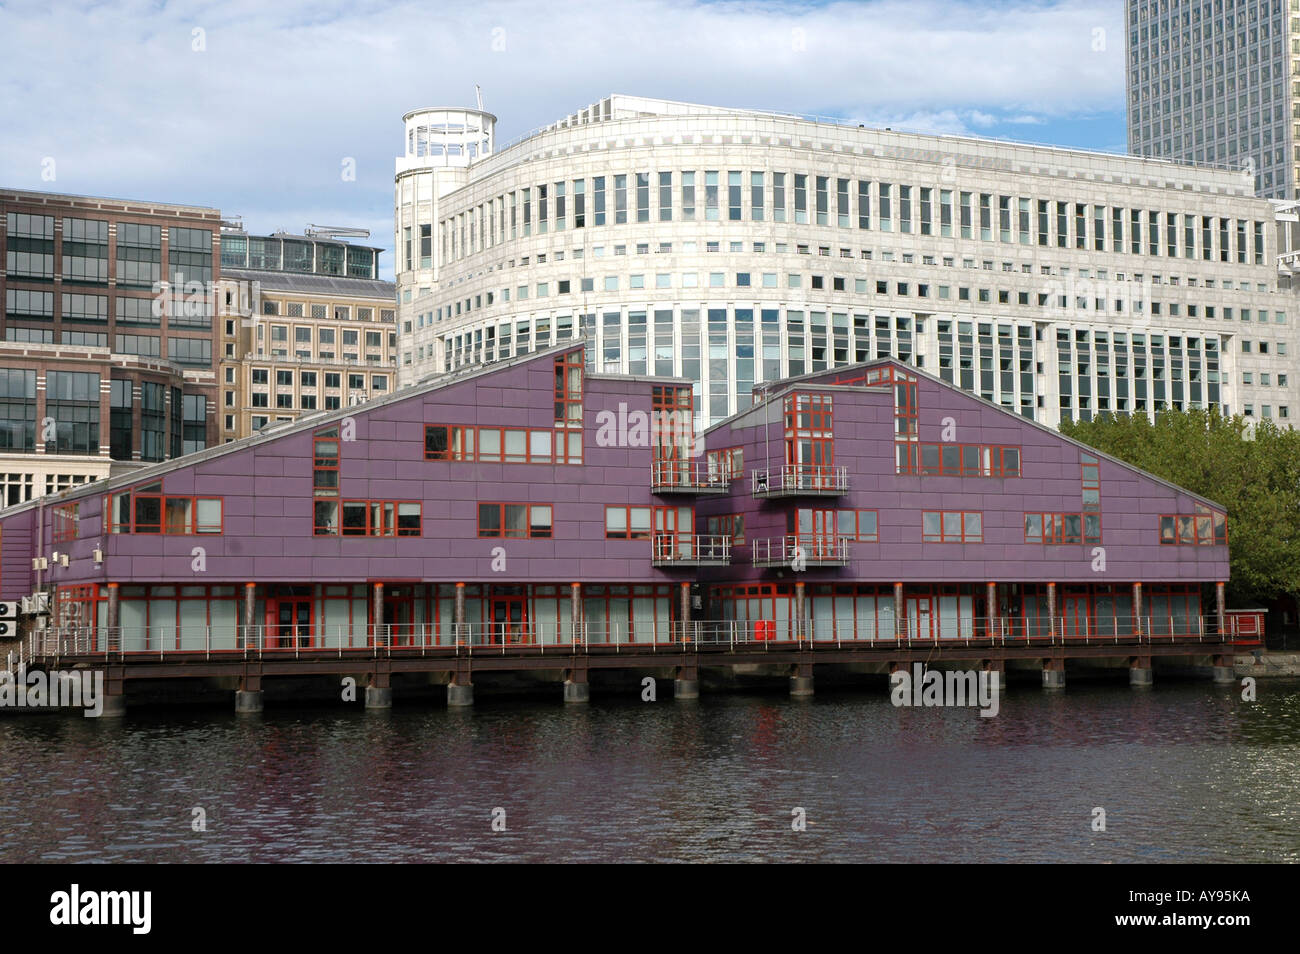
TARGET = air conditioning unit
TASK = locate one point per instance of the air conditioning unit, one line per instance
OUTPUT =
(98, 555)
(63, 559)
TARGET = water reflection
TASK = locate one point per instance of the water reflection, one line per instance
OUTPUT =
(1186, 772)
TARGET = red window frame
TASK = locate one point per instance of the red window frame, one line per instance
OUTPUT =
(999, 457)
(193, 528)
(728, 461)
(727, 525)
(1056, 523)
(371, 529)
(501, 530)
(465, 442)
(629, 533)
(810, 423)
(1090, 480)
(965, 535)
(1201, 524)
(65, 519)
(858, 536)
(325, 467)
(568, 389)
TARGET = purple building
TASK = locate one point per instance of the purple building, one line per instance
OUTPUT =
(532, 504)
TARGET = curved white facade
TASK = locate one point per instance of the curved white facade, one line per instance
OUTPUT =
(733, 247)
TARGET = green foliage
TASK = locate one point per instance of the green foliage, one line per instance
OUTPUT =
(1250, 468)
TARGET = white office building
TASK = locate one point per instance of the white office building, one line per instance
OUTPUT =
(733, 247)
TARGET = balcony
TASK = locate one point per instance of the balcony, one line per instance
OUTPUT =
(687, 477)
(799, 480)
(801, 552)
(689, 549)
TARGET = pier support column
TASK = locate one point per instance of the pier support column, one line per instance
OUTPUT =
(460, 691)
(576, 688)
(377, 614)
(462, 638)
(575, 613)
(686, 685)
(998, 666)
(1053, 674)
(114, 694)
(801, 681)
(248, 697)
(113, 612)
(1051, 614)
(379, 694)
(1222, 673)
(900, 616)
(1137, 609)
(993, 622)
(797, 624)
(1140, 675)
(686, 611)
(1221, 608)
(250, 640)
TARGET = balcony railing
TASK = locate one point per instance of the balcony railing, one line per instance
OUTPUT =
(793, 480)
(801, 551)
(689, 549)
(817, 629)
(687, 477)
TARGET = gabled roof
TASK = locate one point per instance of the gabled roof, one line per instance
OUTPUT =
(784, 386)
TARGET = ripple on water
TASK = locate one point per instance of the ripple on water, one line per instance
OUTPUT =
(1185, 772)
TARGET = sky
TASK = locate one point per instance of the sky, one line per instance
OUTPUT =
(262, 108)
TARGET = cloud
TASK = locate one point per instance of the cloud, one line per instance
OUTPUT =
(253, 106)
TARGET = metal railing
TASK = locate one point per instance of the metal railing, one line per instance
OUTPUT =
(690, 549)
(687, 476)
(801, 550)
(793, 479)
(843, 630)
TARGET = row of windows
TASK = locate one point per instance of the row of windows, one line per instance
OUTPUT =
(320, 312)
(333, 379)
(502, 444)
(532, 521)
(367, 518)
(832, 201)
(146, 509)
(958, 460)
(1201, 529)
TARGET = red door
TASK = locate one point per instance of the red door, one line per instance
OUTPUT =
(509, 611)
(290, 625)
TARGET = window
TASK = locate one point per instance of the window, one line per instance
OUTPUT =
(1063, 528)
(726, 525)
(325, 462)
(728, 462)
(65, 517)
(1204, 528)
(72, 401)
(520, 521)
(952, 526)
(145, 509)
(857, 525)
(958, 460)
(367, 518)
(627, 523)
(502, 445)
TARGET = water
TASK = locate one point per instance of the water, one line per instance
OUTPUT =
(1186, 772)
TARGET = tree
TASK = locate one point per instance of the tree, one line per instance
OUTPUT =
(1251, 468)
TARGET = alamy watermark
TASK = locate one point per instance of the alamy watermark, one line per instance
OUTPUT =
(955, 687)
(56, 689)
